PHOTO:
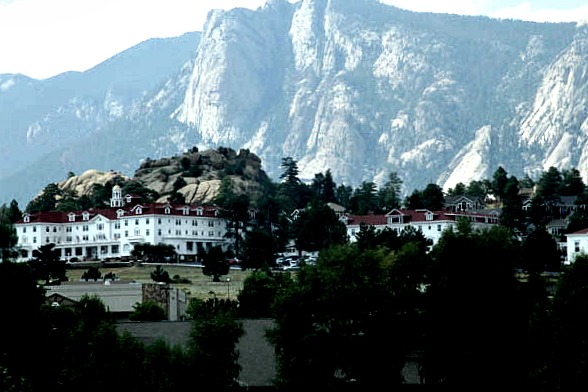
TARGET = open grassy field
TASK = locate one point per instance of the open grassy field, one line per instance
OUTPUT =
(200, 286)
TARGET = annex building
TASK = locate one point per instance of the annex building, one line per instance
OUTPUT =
(113, 232)
(431, 224)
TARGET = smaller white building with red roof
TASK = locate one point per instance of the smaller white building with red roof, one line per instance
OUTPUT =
(430, 223)
(576, 243)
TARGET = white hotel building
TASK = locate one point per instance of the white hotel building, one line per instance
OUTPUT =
(113, 232)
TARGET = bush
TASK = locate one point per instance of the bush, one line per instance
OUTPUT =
(179, 279)
(92, 273)
(147, 311)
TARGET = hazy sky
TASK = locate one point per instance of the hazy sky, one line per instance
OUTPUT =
(42, 38)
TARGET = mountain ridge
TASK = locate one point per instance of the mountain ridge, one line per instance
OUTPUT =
(361, 88)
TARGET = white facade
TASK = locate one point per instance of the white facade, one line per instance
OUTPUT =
(576, 243)
(111, 233)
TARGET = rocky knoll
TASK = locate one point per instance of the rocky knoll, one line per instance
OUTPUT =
(197, 175)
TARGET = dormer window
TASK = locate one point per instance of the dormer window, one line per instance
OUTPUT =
(216, 212)
(395, 219)
(86, 216)
(120, 213)
(429, 216)
(199, 211)
(138, 211)
(186, 210)
(72, 217)
(167, 210)
(27, 219)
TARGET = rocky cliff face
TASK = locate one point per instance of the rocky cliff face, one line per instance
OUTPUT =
(360, 88)
(365, 89)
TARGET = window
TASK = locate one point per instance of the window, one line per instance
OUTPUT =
(194, 222)
(68, 238)
(178, 222)
(85, 237)
(100, 226)
(126, 222)
(147, 221)
(27, 219)
(85, 216)
(85, 228)
(117, 225)
(178, 232)
(47, 229)
(576, 246)
(114, 249)
(210, 223)
(137, 231)
(189, 246)
(34, 240)
(24, 229)
(438, 227)
(211, 233)
(167, 210)
(136, 222)
(158, 221)
(199, 211)
(158, 231)
(147, 232)
(126, 233)
(68, 229)
(429, 216)
(72, 217)
(34, 229)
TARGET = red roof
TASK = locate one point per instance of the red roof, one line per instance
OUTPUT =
(583, 231)
(370, 220)
(111, 213)
(443, 215)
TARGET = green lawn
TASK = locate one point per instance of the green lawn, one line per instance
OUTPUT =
(201, 286)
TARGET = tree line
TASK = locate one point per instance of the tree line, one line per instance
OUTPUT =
(460, 311)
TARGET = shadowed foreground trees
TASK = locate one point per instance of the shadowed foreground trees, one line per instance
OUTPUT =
(67, 349)
(570, 307)
(340, 323)
(473, 325)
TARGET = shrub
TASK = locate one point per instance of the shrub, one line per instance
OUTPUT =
(147, 311)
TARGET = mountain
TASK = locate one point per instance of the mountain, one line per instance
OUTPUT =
(361, 88)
